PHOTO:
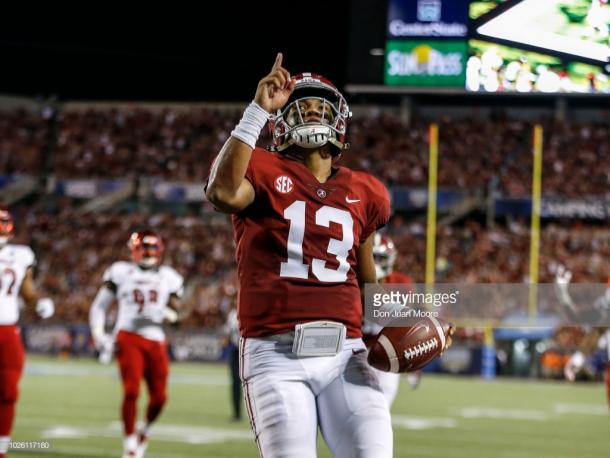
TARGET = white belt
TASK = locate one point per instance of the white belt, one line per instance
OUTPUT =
(318, 338)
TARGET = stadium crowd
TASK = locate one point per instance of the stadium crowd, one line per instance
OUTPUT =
(179, 144)
(23, 139)
(75, 249)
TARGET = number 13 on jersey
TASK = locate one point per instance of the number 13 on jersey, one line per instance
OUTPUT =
(294, 267)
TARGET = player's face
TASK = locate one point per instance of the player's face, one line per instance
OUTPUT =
(151, 255)
(6, 231)
(315, 110)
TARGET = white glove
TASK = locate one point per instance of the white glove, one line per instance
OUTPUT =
(45, 308)
(574, 365)
(171, 315)
(106, 351)
(105, 348)
(104, 344)
(157, 315)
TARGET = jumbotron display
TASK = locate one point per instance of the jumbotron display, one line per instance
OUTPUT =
(488, 46)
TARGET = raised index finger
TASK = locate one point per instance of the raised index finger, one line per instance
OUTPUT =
(278, 61)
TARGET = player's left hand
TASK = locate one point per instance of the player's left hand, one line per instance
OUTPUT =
(158, 315)
(171, 315)
(45, 308)
(106, 351)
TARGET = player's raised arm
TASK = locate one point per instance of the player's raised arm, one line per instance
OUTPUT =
(227, 188)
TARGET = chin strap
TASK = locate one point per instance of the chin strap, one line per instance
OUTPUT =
(339, 147)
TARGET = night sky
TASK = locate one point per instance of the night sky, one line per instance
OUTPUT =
(175, 54)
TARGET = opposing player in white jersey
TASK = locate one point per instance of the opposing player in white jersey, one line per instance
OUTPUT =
(148, 293)
(16, 282)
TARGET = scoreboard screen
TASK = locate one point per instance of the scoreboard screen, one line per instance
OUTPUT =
(490, 46)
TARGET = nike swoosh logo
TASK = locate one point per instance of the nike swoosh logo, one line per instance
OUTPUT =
(351, 201)
(422, 325)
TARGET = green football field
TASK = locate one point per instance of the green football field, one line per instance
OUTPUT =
(74, 405)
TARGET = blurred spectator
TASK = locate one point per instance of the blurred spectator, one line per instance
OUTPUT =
(23, 136)
(178, 143)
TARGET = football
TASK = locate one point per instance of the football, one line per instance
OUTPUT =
(407, 349)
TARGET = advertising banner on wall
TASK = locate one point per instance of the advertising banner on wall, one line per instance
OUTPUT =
(425, 63)
(427, 18)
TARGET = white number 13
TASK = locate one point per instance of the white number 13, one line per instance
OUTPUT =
(294, 267)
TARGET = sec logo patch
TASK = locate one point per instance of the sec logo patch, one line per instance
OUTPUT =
(283, 184)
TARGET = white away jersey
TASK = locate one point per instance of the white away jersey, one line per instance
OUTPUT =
(142, 296)
(14, 263)
(604, 343)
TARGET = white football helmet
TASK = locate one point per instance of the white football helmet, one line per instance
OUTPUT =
(316, 114)
(384, 253)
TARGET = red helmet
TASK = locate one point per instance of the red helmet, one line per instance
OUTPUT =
(384, 253)
(6, 226)
(146, 248)
(289, 127)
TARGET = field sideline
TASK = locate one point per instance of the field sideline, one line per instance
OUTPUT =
(74, 405)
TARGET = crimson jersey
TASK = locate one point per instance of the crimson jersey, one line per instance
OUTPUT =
(398, 277)
(297, 242)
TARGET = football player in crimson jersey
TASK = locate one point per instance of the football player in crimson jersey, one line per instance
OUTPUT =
(148, 293)
(304, 229)
(385, 253)
(16, 280)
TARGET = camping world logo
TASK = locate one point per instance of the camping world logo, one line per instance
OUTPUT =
(283, 184)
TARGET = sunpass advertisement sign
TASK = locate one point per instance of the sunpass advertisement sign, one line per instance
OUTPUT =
(427, 18)
(425, 63)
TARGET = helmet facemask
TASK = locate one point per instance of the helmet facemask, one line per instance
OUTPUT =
(295, 124)
(384, 255)
(384, 266)
(151, 256)
(6, 227)
(146, 249)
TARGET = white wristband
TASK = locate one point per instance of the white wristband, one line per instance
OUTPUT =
(252, 122)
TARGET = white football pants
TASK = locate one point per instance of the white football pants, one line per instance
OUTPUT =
(389, 382)
(288, 397)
